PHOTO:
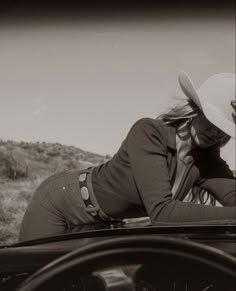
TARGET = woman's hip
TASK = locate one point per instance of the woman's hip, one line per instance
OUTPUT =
(62, 201)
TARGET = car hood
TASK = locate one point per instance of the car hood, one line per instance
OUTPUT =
(143, 226)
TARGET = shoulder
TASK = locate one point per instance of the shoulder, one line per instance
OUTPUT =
(149, 128)
(150, 125)
(147, 121)
(147, 136)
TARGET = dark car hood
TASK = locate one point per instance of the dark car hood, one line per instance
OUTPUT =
(217, 228)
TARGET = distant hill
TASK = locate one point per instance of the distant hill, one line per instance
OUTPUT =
(23, 166)
(22, 159)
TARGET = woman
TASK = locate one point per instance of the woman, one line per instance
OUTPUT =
(159, 162)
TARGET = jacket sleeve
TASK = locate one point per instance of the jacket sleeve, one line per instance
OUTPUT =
(147, 150)
(217, 178)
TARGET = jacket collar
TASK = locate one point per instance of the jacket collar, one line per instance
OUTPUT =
(171, 143)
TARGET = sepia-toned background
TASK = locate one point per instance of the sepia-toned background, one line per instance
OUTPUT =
(74, 79)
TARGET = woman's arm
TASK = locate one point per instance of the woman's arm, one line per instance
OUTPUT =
(147, 149)
(217, 178)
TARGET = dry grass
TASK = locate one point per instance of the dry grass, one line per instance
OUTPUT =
(14, 196)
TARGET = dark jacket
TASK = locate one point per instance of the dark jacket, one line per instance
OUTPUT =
(137, 181)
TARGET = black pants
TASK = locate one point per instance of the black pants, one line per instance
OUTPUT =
(56, 206)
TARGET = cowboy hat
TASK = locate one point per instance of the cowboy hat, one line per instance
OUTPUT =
(213, 98)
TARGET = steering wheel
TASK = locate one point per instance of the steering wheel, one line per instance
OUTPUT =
(161, 257)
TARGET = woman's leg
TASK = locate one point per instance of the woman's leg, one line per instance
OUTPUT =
(40, 221)
(56, 205)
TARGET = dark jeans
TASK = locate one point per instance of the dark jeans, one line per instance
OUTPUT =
(56, 206)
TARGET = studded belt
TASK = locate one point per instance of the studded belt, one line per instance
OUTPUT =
(88, 196)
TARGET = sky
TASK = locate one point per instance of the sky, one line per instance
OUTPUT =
(84, 82)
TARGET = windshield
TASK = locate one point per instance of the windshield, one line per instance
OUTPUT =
(74, 80)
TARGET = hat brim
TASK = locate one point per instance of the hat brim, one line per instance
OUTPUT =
(211, 112)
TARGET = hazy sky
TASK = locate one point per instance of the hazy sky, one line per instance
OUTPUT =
(84, 83)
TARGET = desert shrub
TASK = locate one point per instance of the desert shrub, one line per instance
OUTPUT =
(56, 165)
(39, 150)
(72, 164)
(53, 153)
(25, 145)
(15, 166)
(41, 157)
(14, 163)
(14, 172)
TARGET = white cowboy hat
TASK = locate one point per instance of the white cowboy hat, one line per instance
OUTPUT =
(213, 98)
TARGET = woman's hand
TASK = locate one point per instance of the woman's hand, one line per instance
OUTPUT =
(233, 104)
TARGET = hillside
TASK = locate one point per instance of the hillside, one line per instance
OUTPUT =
(22, 167)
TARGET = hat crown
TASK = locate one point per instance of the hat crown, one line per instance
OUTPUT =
(218, 91)
(214, 98)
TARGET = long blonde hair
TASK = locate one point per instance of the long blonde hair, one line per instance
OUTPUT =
(186, 110)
